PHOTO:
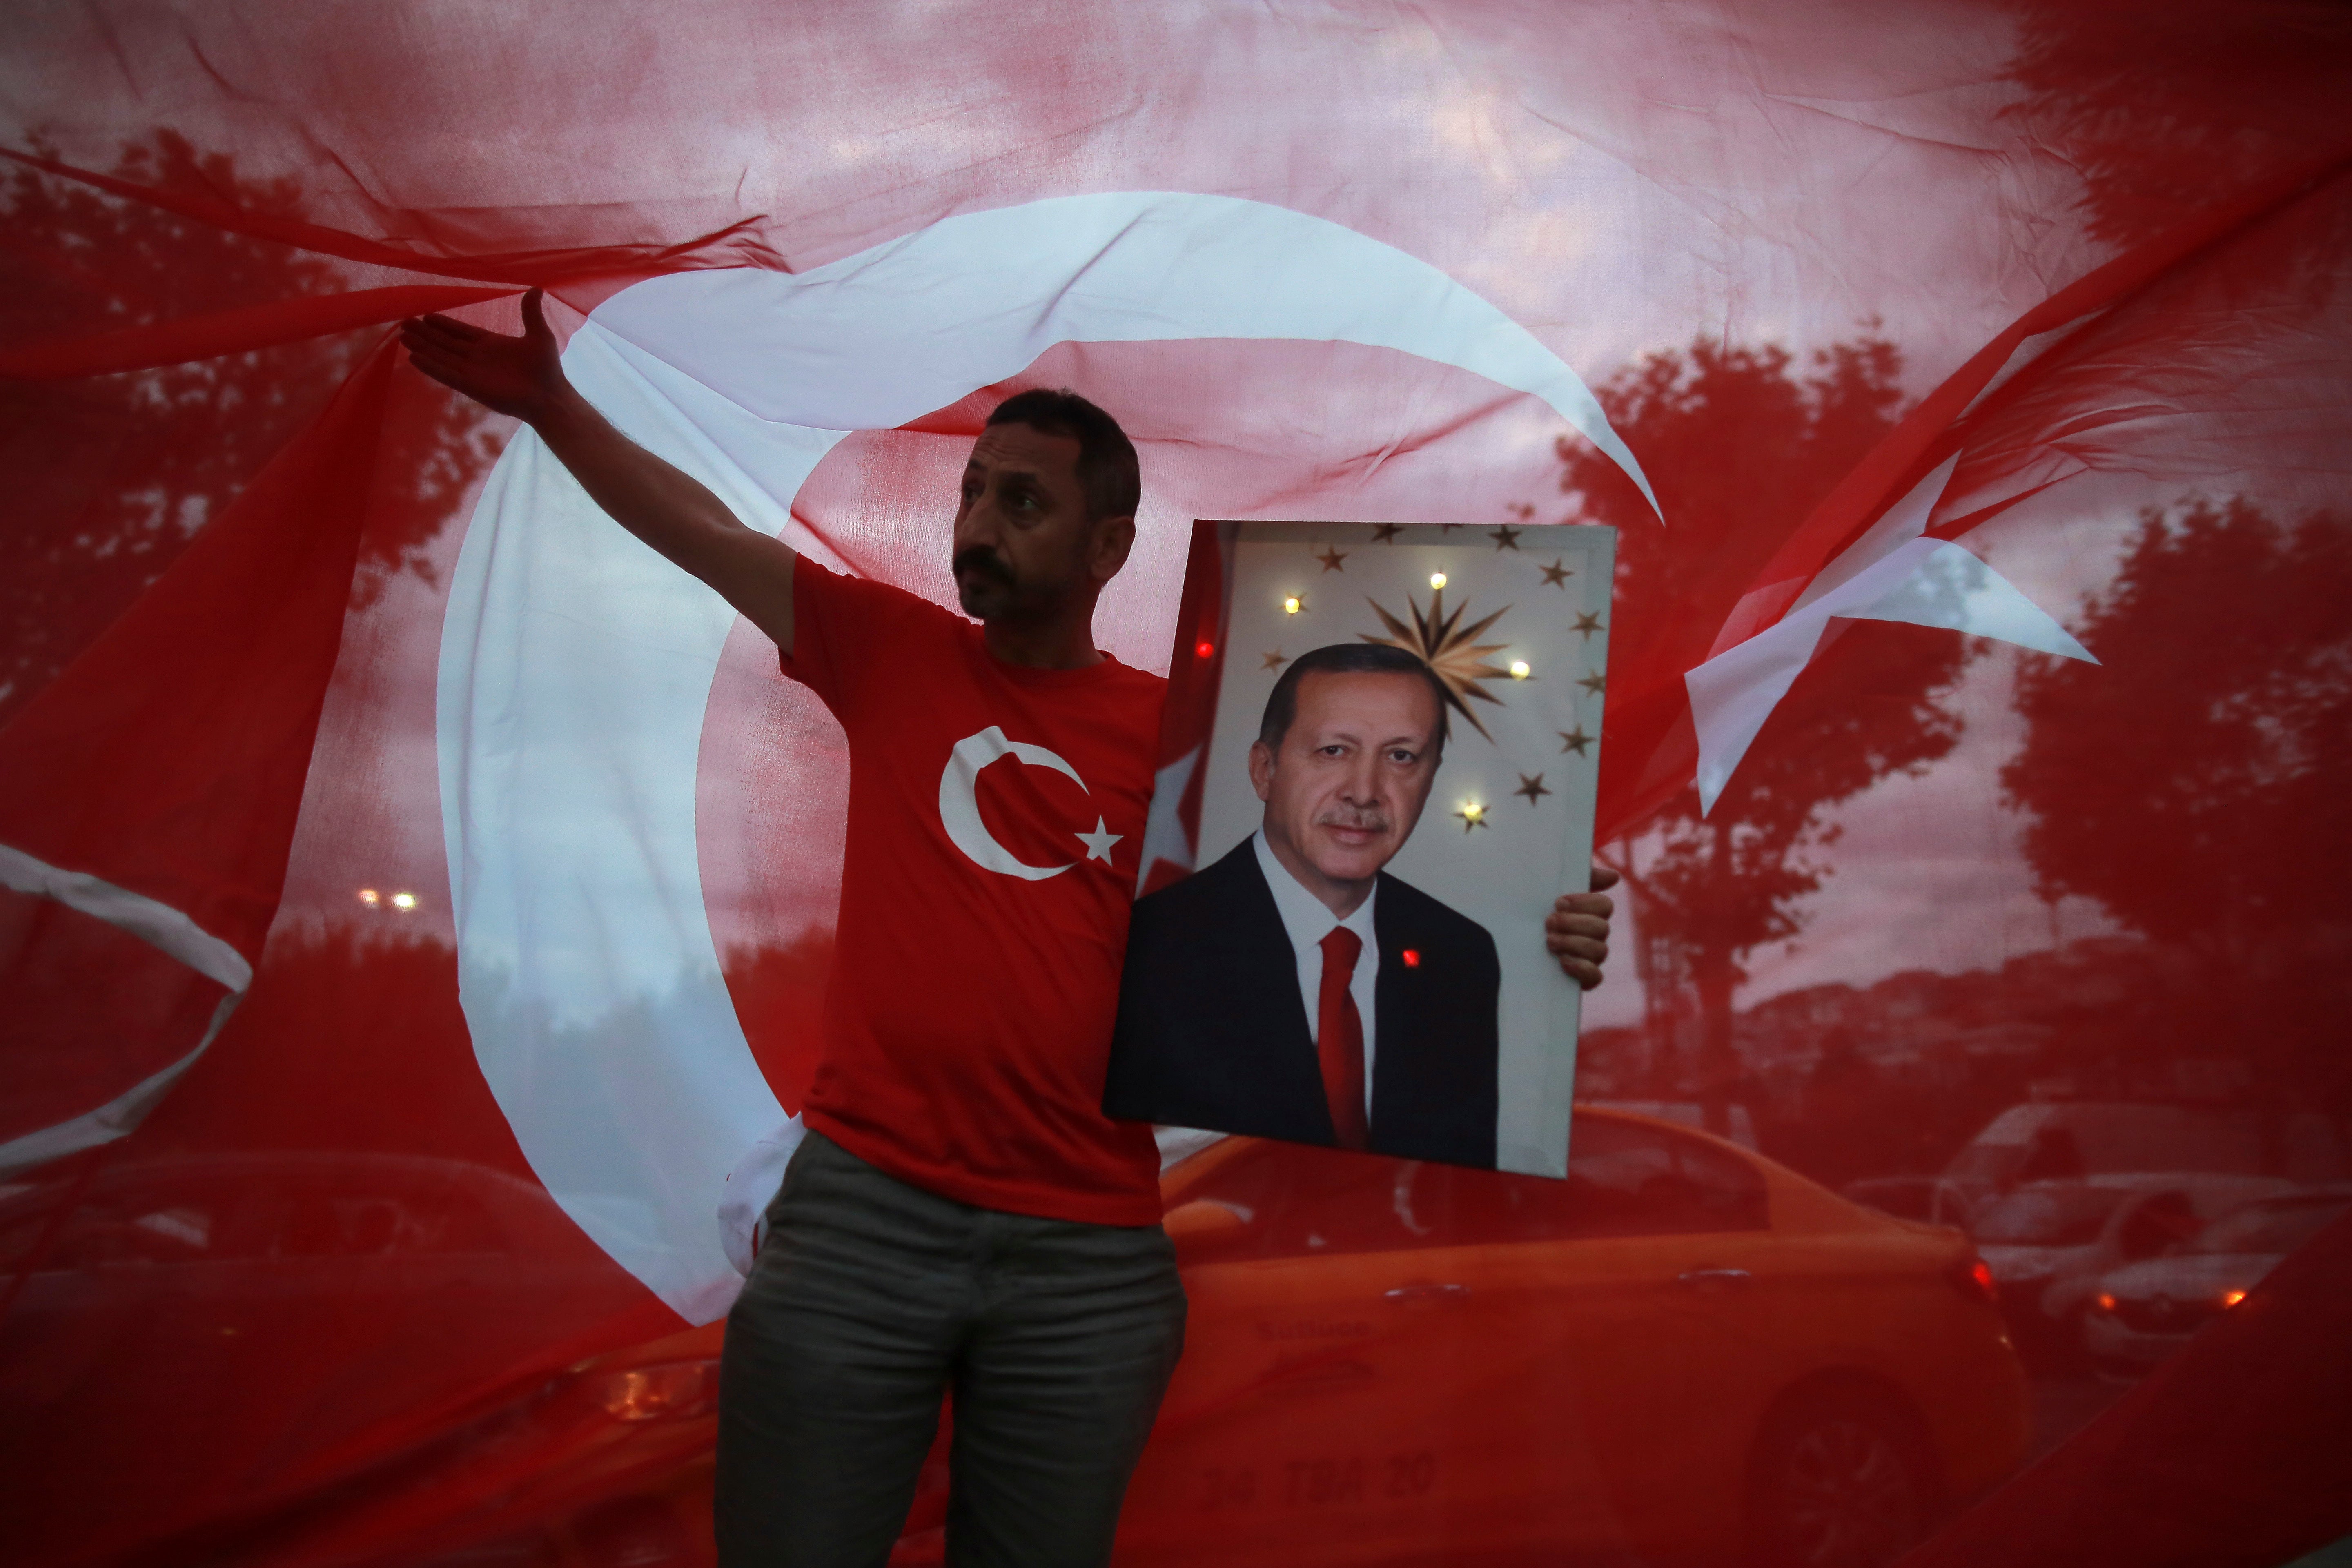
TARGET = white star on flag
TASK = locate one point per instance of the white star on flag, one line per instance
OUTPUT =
(1894, 572)
(1099, 842)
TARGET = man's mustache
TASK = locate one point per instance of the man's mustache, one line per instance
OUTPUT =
(1370, 819)
(980, 558)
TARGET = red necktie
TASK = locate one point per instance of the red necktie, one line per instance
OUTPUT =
(1340, 1037)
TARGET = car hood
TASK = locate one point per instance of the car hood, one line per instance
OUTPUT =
(2191, 1276)
(2031, 1262)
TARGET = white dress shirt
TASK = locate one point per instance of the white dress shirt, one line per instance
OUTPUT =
(1308, 921)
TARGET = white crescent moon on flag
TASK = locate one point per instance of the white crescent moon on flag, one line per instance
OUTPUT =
(575, 664)
(959, 801)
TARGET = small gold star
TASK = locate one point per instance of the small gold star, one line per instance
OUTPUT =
(1505, 538)
(1594, 683)
(1588, 625)
(1331, 557)
(1557, 575)
(1274, 660)
(1386, 532)
(1574, 739)
(1473, 816)
(1531, 787)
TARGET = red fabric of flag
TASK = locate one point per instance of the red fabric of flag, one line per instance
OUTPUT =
(1943, 346)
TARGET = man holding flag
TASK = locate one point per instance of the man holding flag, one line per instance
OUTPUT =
(961, 1215)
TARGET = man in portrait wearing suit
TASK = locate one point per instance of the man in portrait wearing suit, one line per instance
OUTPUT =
(1295, 989)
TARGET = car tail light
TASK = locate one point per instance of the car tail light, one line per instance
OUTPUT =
(668, 1391)
(1972, 1277)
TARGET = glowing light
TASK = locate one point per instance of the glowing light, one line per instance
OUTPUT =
(2106, 1302)
(1473, 815)
(1437, 579)
(648, 1393)
(2231, 1298)
(1204, 648)
(404, 901)
(1412, 956)
(1293, 605)
(1520, 671)
(370, 896)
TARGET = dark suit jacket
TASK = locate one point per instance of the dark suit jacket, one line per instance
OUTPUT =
(1213, 1031)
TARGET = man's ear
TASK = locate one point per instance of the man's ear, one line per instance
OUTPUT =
(1107, 550)
(1261, 766)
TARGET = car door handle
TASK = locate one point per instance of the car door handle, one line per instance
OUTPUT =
(1428, 1292)
(1701, 1277)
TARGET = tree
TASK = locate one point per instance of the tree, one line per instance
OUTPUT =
(2191, 781)
(112, 476)
(1740, 449)
(2161, 110)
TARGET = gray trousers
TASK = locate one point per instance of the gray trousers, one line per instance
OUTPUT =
(870, 1300)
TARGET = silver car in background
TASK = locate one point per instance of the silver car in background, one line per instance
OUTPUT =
(2049, 1243)
(2142, 1312)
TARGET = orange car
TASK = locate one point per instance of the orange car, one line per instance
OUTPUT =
(1682, 1353)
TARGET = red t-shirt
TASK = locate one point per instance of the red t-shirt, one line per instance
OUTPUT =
(996, 815)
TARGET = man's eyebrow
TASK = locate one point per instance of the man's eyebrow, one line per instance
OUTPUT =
(1355, 737)
(1029, 475)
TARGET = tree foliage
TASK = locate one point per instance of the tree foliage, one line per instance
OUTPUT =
(2162, 111)
(2192, 780)
(1741, 445)
(113, 474)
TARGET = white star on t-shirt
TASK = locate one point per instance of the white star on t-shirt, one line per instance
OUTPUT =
(1099, 842)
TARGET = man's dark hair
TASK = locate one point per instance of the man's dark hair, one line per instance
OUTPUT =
(1108, 473)
(1347, 659)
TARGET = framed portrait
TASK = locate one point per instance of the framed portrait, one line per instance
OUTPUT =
(1377, 773)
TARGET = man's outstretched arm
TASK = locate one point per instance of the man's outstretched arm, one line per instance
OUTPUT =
(652, 499)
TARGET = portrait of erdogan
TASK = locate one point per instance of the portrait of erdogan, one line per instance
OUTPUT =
(1295, 989)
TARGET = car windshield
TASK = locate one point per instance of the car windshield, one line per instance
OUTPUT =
(2049, 1216)
(2279, 1225)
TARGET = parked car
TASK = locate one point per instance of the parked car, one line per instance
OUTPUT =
(1740, 1121)
(2069, 1140)
(2142, 1312)
(1683, 1350)
(1936, 1200)
(195, 1330)
(2049, 1242)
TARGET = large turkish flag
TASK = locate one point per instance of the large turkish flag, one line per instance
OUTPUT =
(418, 895)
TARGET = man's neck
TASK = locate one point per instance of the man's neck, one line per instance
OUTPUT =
(1342, 899)
(1063, 643)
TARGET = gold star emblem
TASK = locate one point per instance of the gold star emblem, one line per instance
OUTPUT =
(1473, 815)
(1274, 660)
(1593, 682)
(1531, 787)
(1574, 739)
(1386, 532)
(1557, 575)
(1331, 557)
(1588, 625)
(1506, 536)
(1450, 650)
